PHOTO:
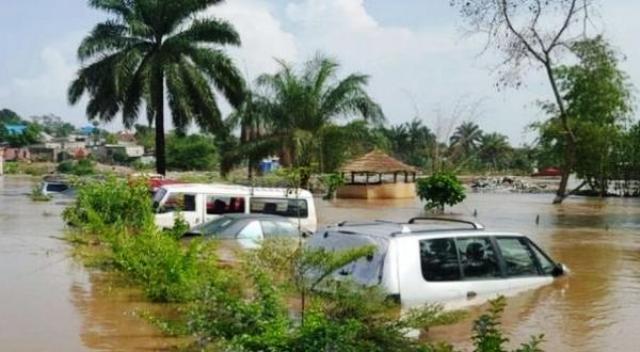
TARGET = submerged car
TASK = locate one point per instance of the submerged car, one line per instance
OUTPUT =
(56, 185)
(436, 261)
(247, 230)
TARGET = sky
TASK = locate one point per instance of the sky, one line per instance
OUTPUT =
(420, 62)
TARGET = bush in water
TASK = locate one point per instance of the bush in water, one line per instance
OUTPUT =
(111, 202)
(440, 189)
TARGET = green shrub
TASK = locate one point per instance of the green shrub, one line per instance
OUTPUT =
(166, 270)
(111, 202)
(83, 167)
(440, 189)
(488, 337)
(37, 195)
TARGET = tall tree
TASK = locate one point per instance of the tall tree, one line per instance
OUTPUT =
(598, 101)
(494, 148)
(128, 59)
(533, 32)
(466, 137)
(300, 104)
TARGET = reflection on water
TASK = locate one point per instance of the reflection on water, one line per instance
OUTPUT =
(50, 303)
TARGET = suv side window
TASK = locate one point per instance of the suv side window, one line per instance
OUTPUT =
(439, 260)
(546, 265)
(518, 258)
(478, 258)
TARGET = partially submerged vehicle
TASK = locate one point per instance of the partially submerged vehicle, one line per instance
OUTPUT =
(201, 203)
(429, 261)
(56, 184)
(247, 230)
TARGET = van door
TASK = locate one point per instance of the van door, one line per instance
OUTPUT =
(455, 272)
(428, 271)
(482, 274)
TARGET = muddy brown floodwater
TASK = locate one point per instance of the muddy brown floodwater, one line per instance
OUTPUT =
(48, 302)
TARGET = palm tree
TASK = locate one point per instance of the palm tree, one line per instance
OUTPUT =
(466, 137)
(493, 148)
(300, 104)
(128, 59)
(250, 118)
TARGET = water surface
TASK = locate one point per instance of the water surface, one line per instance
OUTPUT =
(49, 302)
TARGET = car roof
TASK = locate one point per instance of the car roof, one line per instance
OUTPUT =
(243, 216)
(436, 227)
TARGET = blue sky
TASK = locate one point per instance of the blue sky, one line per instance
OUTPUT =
(420, 63)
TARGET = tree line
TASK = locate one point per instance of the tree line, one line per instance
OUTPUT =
(150, 52)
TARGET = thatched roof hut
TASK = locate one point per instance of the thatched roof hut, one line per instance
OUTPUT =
(377, 163)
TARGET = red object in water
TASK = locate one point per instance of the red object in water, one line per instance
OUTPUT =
(155, 183)
(548, 172)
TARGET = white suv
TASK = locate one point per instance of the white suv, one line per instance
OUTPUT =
(423, 261)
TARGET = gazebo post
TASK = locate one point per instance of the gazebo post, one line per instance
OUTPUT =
(380, 178)
(406, 177)
(414, 177)
(395, 177)
(353, 178)
(366, 179)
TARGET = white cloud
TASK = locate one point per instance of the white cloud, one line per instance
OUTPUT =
(424, 68)
(263, 38)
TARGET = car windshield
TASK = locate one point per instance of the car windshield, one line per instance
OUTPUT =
(216, 227)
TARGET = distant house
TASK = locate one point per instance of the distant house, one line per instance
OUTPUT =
(108, 152)
(57, 150)
(126, 137)
(17, 154)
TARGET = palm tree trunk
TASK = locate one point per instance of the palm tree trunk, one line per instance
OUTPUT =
(158, 105)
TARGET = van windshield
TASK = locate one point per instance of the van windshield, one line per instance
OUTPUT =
(157, 197)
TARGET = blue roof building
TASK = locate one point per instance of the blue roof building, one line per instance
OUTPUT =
(15, 129)
(87, 130)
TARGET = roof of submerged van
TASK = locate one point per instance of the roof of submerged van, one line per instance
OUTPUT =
(237, 189)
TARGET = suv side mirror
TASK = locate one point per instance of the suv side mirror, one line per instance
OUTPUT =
(559, 270)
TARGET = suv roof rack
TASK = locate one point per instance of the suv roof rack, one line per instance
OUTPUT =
(375, 222)
(475, 225)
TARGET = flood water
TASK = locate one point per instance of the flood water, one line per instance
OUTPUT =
(49, 302)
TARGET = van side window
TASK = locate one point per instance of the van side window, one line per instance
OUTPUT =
(439, 260)
(224, 205)
(478, 258)
(518, 257)
(291, 208)
(180, 202)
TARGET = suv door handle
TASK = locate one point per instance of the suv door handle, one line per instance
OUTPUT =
(471, 294)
